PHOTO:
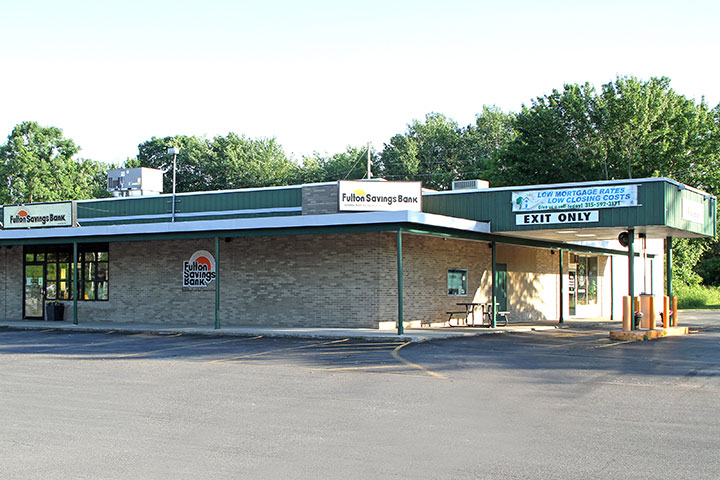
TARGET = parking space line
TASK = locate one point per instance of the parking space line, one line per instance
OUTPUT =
(93, 344)
(214, 342)
(614, 344)
(572, 344)
(367, 367)
(397, 356)
(252, 355)
(339, 352)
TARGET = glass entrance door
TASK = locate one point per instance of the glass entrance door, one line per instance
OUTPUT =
(34, 291)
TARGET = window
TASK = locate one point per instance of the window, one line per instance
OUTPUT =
(457, 282)
(94, 268)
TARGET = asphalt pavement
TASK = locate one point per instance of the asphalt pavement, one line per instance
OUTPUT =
(561, 404)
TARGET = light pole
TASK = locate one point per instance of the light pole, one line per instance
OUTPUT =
(173, 151)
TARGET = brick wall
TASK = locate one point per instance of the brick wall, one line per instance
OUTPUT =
(319, 199)
(11, 282)
(340, 280)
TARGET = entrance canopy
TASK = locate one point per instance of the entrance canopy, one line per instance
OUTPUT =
(587, 211)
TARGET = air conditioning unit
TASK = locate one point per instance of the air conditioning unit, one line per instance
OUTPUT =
(470, 184)
(130, 182)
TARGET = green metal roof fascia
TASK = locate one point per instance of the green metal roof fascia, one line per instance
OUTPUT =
(189, 204)
(523, 242)
(222, 234)
(210, 192)
(212, 228)
(572, 185)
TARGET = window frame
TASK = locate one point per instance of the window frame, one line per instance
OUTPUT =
(463, 290)
(89, 259)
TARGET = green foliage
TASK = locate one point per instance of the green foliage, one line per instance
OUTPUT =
(709, 269)
(686, 254)
(697, 296)
(630, 129)
(234, 161)
(38, 166)
(348, 165)
(438, 151)
(238, 161)
(555, 141)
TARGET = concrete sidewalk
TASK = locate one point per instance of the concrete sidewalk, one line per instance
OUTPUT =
(410, 335)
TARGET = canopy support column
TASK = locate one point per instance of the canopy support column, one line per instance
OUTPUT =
(561, 318)
(217, 283)
(668, 266)
(612, 289)
(75, 283)
(631, 275)
(494, 286)
(400, 328)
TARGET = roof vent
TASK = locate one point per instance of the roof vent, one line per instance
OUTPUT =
(470, 184)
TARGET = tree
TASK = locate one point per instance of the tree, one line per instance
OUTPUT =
(485, 140)
(238, 161)
(631, 129)
(348, 165)
(195, 154)
(234, 161)
(555, 141)
(438, 151)
(37, 163)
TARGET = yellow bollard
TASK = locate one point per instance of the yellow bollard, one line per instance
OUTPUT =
(666, 311)
(675, 312)
(652, 313)
(627, 314)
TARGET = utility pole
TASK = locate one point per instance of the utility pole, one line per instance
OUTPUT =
(369, 162)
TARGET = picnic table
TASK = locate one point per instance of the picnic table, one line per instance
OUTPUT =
(486, 318)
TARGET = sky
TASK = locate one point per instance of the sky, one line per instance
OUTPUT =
(322, 75)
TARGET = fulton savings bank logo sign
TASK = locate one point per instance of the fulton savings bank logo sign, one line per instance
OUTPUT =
(38, 215)
(367, 196)
(199, 271)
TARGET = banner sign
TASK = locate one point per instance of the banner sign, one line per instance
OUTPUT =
(693, 211)
(38, 215)
(379, 196)
(575, 198)
(199, 271)
(557, 217)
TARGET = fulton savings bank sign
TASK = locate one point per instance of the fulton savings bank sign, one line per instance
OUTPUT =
(38, 215)
(199, 271)
(364, 196)
(583, 203)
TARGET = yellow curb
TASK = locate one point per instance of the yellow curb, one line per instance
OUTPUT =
(639, 335)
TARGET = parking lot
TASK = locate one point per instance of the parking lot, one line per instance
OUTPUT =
(566, 403)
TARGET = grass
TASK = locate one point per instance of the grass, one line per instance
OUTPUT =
(697, 296)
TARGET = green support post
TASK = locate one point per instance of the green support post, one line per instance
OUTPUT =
(217, 283)
(75, 282)
(668, 265)
(562, 294)
(631, 275)
(494, 285)
(400, 328)
(612, 290)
